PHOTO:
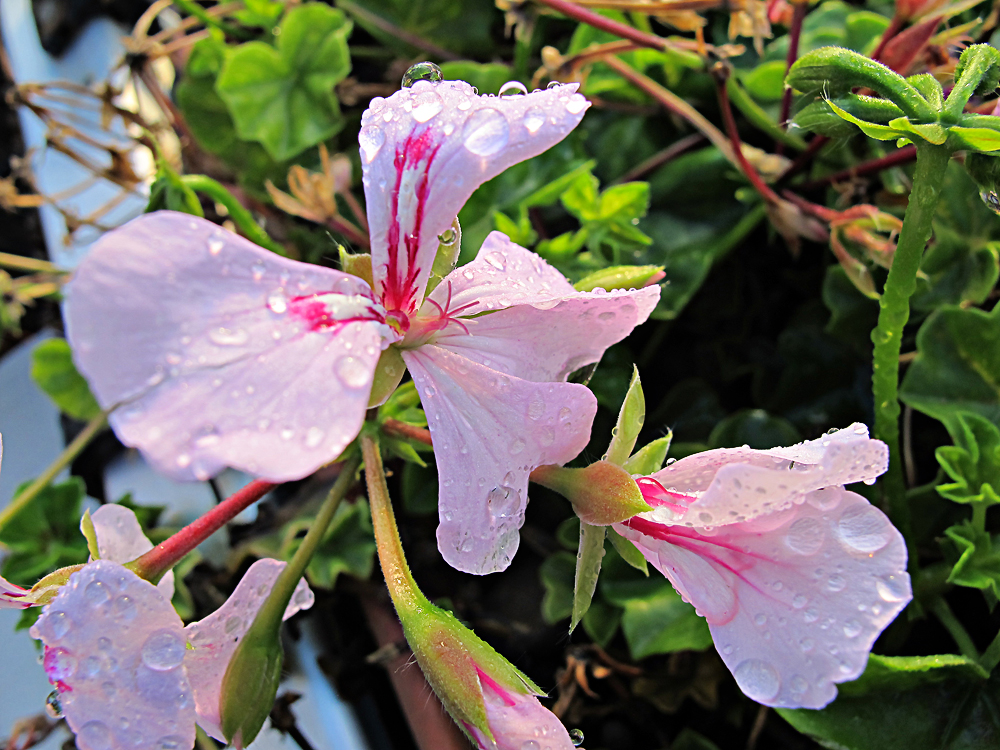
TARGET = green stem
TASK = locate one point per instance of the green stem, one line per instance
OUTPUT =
(894, 311)
(191, 7)
(237, 212)
(20, 263)
(965, 645)
(70, 452)
(270, 615)
(991, 656)
(402, 588)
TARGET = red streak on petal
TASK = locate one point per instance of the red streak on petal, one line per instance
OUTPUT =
(500, 690)
(656, 494)
(316, 314)
(400, 293)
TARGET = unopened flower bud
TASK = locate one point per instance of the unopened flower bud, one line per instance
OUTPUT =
(602, 493)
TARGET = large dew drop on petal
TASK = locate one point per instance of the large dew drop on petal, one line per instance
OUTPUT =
(221, 353)
(114, 648)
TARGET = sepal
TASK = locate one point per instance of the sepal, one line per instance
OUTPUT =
(602, 493)
(251, 683)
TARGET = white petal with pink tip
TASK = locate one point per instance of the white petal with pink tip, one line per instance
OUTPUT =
(490, 430)
(794, 599)
(222, 353)
(425, 149)
(215, 638)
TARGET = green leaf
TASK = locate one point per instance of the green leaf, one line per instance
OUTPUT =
(90, 534)
(628, 551)
(975, 557)
(283, 98)
(45, 535)
(588, 568)
(873, 130)
(820, 117)
(348, 546)
(689, 739)
(53, 371)
(755, 428)
(520, 232)
(932, 132)
(957, 367)
(766, 81)
(629, 424)
(649, 459)
(979, 139)
(907, 702)
(556, 574)
(601, 622)
(973, 462)
(660, 623)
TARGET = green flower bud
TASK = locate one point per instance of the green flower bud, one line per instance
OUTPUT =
(620, 277)
(251, 682)
(602, 493)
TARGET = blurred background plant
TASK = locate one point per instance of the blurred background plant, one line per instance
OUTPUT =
(770, 220)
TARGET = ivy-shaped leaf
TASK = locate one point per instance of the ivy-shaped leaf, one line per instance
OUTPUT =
(975, 558)
(973, 462)
(957, 367)
(902, 703)
(283, 97)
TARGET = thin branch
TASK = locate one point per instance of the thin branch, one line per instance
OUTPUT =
(657, 160)
(734, 136)
(404, 36)
(589, 17)
(794, 33)
(902, 156)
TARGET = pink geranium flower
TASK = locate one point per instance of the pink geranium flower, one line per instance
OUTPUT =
(795, 575)
(219, 353)
(129, 674)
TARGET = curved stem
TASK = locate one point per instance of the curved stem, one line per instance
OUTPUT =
(273, 611)
(402, 588)
(894, 311)
(955, 629)
(155, 563)
(192, 8)
(70, 452)
(794, 33)
(237, 211)
(589, 17)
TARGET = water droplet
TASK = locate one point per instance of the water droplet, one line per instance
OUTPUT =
(760, 619)
(104, 644)
(576, 104)
(94, 735)
(421, 71)
(864, 528)
(371, 139)
(798, 684)
(836, 583)
(257, 270)
(486, 132)
(426, 105)
(893, 588)
(564, 413)
(233, 624)
(497, 260)
(757, 679)
(125, 608)
(287, 434)
(53, 706)
(109, 689)
(800, 601)
(536, 406)
(314, 435)
(807, 644)
(353, 372)
(60, 664)
(183, 461)
(606, 316)
(852, 628)
(513, 88)
(215, 246)
(58, 624)
(530, 745)
(207, 436)
(448, 237)
(228, 336)
(991, 200)
(516, 446)
(553, 85)
(576, 737)
(163, 650)
(170, 742)
(805, 536)
(96, 593)
(810, 615)
(534, 118)
(277, 302)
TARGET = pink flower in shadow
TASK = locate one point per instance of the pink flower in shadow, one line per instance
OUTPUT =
(218, 353)
(795, 575)
(129, 674)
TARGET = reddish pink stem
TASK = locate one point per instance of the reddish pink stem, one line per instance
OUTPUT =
(734, 136)
(603, 23)
(794, 33)
(168, 553)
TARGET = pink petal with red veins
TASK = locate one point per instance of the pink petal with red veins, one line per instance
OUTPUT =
(731, 485)
(794, 600)
(222, 353)
(502, 274)
(215, 638)
(539, 337)
(115, 649)
(490, 430)
(120, 539)
(425, 149)
(519, 722)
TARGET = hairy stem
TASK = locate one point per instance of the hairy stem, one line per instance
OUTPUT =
(894, 311)
(64, 459)
(155, 563)
(237, 211)
(402, 588)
